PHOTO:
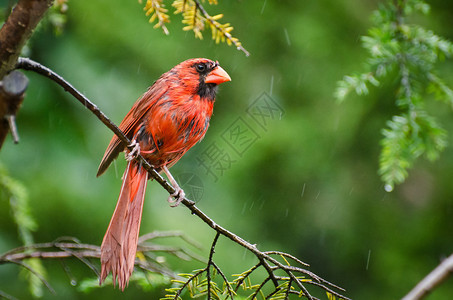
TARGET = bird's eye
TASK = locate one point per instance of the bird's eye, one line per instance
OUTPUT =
(200, 68)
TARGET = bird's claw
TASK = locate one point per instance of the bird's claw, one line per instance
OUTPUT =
(176, 198)
(130, 155)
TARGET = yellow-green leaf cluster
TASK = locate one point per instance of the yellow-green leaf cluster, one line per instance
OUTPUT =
(195, 18)
(192, 16)
(156, 9)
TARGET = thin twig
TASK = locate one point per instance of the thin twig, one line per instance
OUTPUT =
(155, 268)
(227, 284)
(4, 295)
(13, 127)
(208, 268)
(165, 234)
(300, 285)
(255, 293)
(326, 288)
(82, 252)
(290, 282)
(433, 279)
(191, 278)
(247, 273)
(41, 278)
(286, 255)
(18, 250)
(82, 258)
(178, 252)
(45, 254)
(226, 34)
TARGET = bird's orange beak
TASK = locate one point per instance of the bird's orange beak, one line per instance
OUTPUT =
(217, 76)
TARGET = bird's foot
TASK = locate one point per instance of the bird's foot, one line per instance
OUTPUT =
(131, 154)
(176, 198)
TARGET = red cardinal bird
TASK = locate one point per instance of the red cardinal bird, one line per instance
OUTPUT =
(171, 117)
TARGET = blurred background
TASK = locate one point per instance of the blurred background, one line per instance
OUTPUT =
(303, 181)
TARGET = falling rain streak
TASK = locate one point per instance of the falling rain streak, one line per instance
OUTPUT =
(272, 85)
(368, 260)
(287, 37)
(264, 5)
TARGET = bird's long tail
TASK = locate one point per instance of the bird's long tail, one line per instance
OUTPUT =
(119, 246)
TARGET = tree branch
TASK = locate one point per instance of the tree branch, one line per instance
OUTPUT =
(228, 36)
(17, 30)
(210, 261)
(12, 89)
(433, 279)
(13, 35)
(66, 247)
(270, 264)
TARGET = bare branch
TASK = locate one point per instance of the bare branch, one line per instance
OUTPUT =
(6, 296)
(228, 285)
(29, 268)
(242, 277)
(185, 284)
(13, 35)
(165, 234)
(84, 252)
(227, 35)
(433, 279)
(18, 29)
(208, 269)
(283, 254)
(12, 89)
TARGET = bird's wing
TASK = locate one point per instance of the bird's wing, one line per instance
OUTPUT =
(130, 122)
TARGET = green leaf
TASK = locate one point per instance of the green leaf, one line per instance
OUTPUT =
(413, 52)
(357, 83)
(17, 194)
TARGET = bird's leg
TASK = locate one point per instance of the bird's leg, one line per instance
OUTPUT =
(179, 192)
(130, 155)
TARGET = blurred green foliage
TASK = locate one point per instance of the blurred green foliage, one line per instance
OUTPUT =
(307, 185)
(411, 52)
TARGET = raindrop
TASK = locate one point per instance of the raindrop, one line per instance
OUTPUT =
(388, 188)
(303, 191)
(73, 282)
